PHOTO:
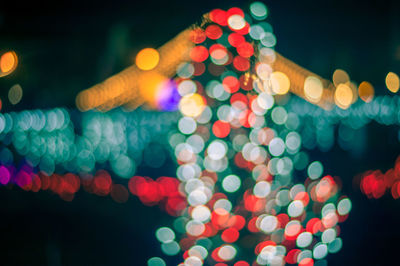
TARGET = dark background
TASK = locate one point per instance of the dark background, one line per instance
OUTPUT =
(64, 47)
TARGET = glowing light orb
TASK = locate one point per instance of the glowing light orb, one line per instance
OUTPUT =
(15, 94)
(8, 62)
(392, 82)
(366, 91)
(343, 96)
(280, 83)
(192, 105)
(168, 97)
(340, 76)
(313, 89)
(147, 59)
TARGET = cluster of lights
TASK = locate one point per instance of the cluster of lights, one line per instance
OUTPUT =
(317, 126)
(347, 91)
(49, 140)
(238, 144)
(65, 185)
(375, 184)
(163, 191)
(226, 131)
(29, 180)
(240, 158)
(148, 81)
(8, 63)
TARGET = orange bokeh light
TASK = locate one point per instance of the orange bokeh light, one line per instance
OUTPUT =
(147, 59)
(366, 91)
(8, 62)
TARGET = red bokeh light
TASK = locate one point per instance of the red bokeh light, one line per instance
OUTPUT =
(213, 32)
(219, 16)
(241, 63)
(199, 53)
(221, 129)
(230, 235)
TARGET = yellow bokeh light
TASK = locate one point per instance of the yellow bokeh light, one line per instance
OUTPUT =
(366, 91)
(343, 96)
(191, 105)
(392, 82)
(15, 94)
(8, 62)
(313, 89)
(340, 76)
(147, 59)
(280, 83)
